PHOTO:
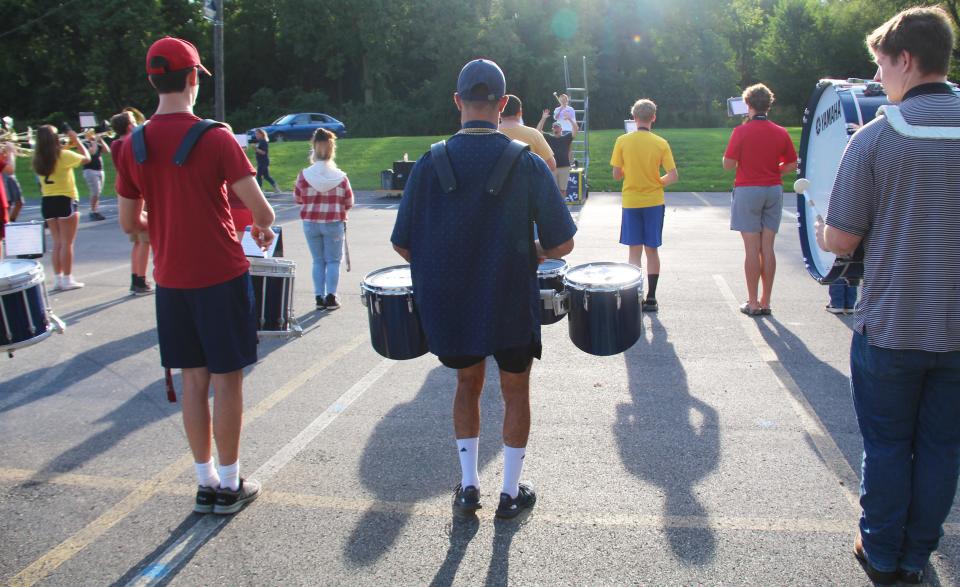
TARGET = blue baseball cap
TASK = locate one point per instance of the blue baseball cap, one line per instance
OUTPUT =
(485, 72)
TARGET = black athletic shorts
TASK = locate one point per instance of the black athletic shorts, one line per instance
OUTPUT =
(57, 207)
(512, 360)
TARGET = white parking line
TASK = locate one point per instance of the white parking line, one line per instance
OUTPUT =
(184, 548)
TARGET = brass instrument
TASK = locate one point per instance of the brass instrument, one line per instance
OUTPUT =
(138, 116)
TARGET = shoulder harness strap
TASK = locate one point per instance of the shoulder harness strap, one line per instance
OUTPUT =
(139, 144)
(504, 165)
(441, 163)
(900, 124)
(191, 138)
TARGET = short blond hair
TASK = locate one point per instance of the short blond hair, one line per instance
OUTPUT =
(759, 97)
(644, 110)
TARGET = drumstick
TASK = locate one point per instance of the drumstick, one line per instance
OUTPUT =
(346, 246)
(801, 186)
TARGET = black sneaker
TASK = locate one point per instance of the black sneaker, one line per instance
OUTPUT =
(510, 507)
(141, 289)
(321, 305)
(97, 216)
(466, 500)
(206, 497)
(910, 577)
(649, 305)
(231, 502)
(331, 302)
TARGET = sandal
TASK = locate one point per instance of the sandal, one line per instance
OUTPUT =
(746, 309)
(766, 311)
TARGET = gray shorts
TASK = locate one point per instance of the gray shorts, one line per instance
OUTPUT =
(756, 208)
(14, 193)
(94, 179)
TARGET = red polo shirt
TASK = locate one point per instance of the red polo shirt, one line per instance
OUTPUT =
(759, 146)
(192, 234)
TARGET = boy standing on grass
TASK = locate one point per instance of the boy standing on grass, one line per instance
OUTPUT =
(637, 160)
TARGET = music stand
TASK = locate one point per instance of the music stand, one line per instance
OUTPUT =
(251, 249)
(88, 120)
(25, 240)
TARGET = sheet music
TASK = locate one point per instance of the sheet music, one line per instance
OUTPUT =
(24, 238)
(252, 249)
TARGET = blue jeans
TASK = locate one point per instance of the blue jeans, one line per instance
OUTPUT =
(908, 409)
(842, 295)
(325, 240)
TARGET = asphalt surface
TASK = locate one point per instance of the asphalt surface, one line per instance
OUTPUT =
(719, 450)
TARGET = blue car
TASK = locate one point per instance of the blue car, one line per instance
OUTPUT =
(300, 127)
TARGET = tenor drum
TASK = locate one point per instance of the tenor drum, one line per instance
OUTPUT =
(395, 329)
(550, 275)
(273, 291)
(24, 315)
(835, 111)
(604, 301)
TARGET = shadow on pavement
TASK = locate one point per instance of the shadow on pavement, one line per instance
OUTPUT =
(498, 573)
(669, 438)
(826, 388)
(411, 457)
(160, 574)
(461, 532)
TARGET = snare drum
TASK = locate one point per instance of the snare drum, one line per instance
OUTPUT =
(550, 275)
(395, 329)
(24, 315)
(835, 111)
(604, 301)
(273, 290)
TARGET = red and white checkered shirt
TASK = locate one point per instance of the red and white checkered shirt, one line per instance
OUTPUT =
(328, 206)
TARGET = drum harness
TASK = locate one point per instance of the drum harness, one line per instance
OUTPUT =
(179, 158)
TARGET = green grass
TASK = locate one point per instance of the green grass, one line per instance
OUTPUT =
(697, 152)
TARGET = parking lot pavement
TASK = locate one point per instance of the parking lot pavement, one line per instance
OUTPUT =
(720, 449)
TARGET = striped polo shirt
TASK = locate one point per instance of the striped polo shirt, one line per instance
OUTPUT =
(902, 195)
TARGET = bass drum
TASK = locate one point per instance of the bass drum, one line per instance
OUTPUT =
(836, 110)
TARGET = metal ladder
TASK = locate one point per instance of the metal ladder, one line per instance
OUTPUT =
(580, 101)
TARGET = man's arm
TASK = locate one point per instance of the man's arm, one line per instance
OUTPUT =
(786, 168)
(405, 253)
(561, 250)
(543, 118)
(671, 177)
(575, 127)
(263, 216)
(132, 217)
(836, 241)
(618, 173)
(729, 164)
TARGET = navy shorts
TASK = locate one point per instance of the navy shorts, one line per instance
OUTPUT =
(213, 327)
(642, 226)
(511, 360)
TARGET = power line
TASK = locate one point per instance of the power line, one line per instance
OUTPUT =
(39, 18)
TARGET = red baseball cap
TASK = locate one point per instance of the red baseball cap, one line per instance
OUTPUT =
(170, 54)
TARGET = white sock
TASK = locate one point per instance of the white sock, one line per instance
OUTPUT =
(207, 474)
(512, 468)
(468, 450)
(230, 476)
(59, 279)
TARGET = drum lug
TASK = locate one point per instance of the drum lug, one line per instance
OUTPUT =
(617, 295)
(376, 305)
(561, 302)
(363, 297)
(410, 304)
(586, 301)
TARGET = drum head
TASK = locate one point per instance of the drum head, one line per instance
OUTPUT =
(836, 110)
(394, 280)
(603, 276)
(16, 272)
(551, 267)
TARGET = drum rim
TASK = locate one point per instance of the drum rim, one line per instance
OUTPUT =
(552, 272)
(387, 291)
(591, 287)
(22, 280)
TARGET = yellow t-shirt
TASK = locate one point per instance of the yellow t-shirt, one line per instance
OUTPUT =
(532, 137)
(62, 182)
(641, 154)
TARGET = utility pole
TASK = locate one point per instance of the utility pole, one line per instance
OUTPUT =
(220, 111)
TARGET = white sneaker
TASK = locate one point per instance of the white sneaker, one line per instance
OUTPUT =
(69, 283)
